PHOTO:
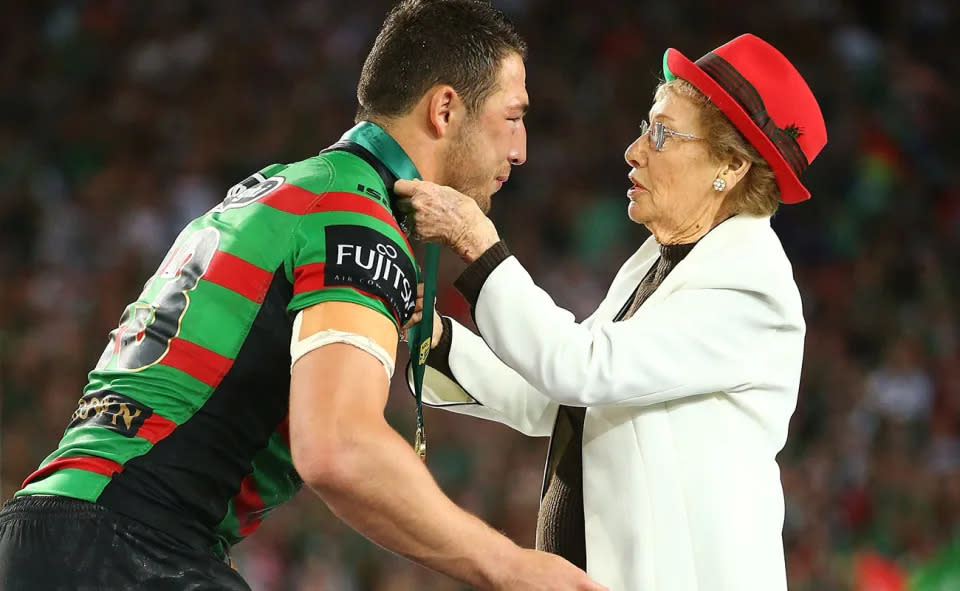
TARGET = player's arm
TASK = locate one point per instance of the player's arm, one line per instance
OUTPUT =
(368, 475)
(352, 274)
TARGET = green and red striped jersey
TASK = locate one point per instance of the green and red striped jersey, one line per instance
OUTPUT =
(183, 424)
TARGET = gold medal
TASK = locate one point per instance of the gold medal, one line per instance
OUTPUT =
(420, 444)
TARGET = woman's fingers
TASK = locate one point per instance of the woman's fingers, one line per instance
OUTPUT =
(435, 213)
(405, 188)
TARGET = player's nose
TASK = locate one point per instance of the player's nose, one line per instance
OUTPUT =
(518, 155)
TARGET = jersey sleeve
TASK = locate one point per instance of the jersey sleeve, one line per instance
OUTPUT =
(349, 248)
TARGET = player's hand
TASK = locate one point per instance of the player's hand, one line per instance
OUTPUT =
(418, 316)
(539, 571)
(417, 313)
(442, 214)
(437, 328)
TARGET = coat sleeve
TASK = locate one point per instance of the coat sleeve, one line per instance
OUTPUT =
(481, 385)
(695, 341)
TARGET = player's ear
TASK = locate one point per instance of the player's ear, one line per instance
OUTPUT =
(445, 110)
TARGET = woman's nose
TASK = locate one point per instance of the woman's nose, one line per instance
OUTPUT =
(635, 155)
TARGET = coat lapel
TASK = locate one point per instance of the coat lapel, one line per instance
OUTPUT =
(629, 275)
(636, 267)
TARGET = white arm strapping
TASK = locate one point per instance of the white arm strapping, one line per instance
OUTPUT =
(299, 348)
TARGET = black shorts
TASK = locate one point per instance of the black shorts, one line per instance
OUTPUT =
(61, 544)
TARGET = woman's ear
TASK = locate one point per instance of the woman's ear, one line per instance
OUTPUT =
(734, 170)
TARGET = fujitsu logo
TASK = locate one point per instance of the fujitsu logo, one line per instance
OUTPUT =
(379, 260)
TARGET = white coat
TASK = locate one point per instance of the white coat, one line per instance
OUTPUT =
(688, 404)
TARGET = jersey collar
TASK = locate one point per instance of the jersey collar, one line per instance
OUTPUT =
(386, 149)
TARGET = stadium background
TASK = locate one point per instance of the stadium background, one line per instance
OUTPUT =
(121, 120)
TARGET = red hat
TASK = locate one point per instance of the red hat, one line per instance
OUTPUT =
(765, 97)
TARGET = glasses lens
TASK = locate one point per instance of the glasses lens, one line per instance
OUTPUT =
(657, 136)
(645, 128)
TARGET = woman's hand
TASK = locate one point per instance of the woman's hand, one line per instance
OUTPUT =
(444, 215)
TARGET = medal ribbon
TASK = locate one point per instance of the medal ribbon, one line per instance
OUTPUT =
(420, 336)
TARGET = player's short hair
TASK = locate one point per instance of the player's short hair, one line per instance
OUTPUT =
(427, 42)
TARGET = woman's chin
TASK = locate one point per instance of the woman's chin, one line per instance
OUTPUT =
(634, 212)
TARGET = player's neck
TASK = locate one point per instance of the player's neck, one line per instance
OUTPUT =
(422, 148)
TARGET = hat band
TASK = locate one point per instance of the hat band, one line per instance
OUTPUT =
(746, 94)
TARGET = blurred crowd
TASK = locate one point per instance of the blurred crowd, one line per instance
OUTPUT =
(120, 120)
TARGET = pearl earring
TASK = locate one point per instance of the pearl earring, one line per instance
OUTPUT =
(719, 184)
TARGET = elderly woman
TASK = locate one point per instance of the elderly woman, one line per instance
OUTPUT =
(668, 405)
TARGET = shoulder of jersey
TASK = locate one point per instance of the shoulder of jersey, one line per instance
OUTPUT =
(323, 174)
(350, 174)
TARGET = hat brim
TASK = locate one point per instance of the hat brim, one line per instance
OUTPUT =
(677, 65)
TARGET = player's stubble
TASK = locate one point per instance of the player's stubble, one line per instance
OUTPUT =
(465, 174)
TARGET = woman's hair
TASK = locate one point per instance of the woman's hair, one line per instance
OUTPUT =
(757, 193)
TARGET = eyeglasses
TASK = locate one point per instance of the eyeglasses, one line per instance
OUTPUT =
(659, 133)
